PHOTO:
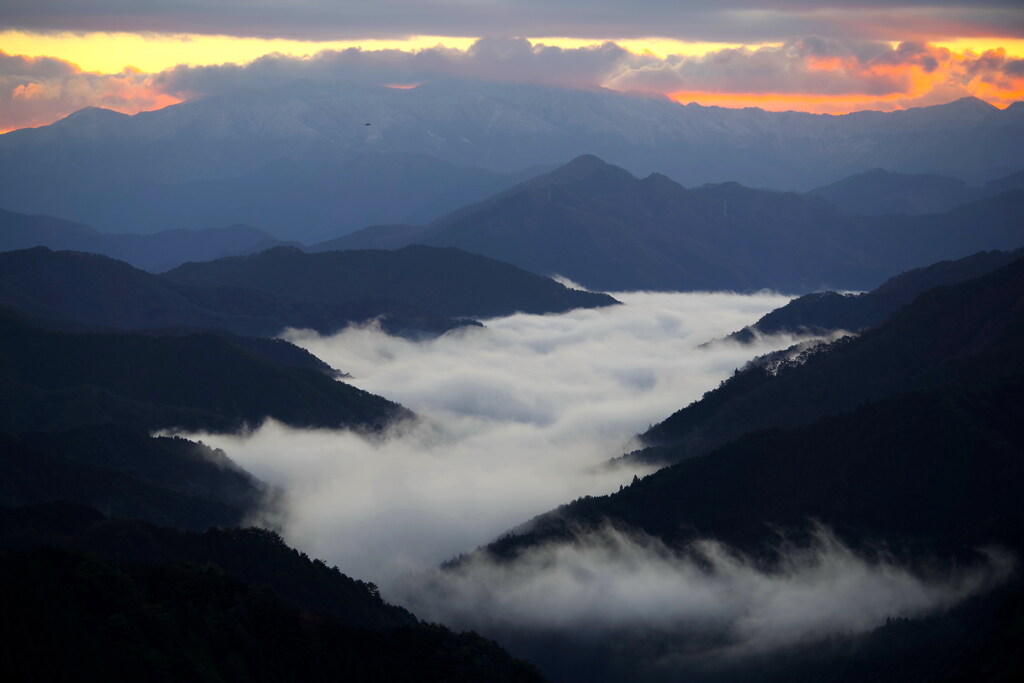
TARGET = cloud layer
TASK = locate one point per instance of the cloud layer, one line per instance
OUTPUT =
(701, 20)
(519, 417)
(516, 417)
(809, 74)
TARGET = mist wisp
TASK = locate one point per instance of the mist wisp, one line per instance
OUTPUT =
(714, 600)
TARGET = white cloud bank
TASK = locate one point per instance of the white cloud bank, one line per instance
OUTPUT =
(514, 418)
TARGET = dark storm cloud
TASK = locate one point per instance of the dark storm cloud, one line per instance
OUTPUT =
(714, 20)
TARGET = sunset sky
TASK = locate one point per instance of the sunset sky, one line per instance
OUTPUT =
(826, 56)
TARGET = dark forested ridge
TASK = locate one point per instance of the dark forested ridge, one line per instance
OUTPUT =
(102, 292)
(601, 226)
(824, 312)
(448, 282)
(972, 329)
(419, 291)
(77, 410)
(146, 602)
(125, 472)
(57, 380)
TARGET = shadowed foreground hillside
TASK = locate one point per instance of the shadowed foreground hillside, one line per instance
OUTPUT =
(113, 600)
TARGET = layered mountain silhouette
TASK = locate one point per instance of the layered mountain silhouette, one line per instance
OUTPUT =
(78, 409)
(601, 226)
(879, 192)
(411, 292)
(304, 201)
(822, 313)
(153, 252)
(290, 159)
(447, 282)
(969, 329)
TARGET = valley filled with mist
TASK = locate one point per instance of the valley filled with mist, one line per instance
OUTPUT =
(511, 382)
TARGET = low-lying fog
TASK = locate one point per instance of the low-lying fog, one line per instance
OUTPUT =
(515, 419)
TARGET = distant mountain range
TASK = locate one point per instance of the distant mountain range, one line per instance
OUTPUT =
(603, 227)
(155, 252)
(879, 192)
(300, 162)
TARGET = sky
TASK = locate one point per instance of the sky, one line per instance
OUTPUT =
(823, 56)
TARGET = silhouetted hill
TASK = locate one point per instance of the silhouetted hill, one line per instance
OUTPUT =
(58, 380)
(447, 282)
(232, 604)
(77, 410)
(939, 466)
(973, 325)
(152, 252)
(95, 290)
(879, 192)
(124, 472)
(824, 312)
(600, 226)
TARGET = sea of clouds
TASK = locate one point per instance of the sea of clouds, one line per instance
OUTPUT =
(520, 416)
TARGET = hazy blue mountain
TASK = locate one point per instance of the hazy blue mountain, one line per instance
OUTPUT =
(154, 252)
(603, 227)
(226, 159)
(447, 282)
(302, 201)
(823, 312)
(879, 192)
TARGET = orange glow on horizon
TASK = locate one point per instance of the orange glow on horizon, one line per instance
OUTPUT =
(811, 103)
(118, 71)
